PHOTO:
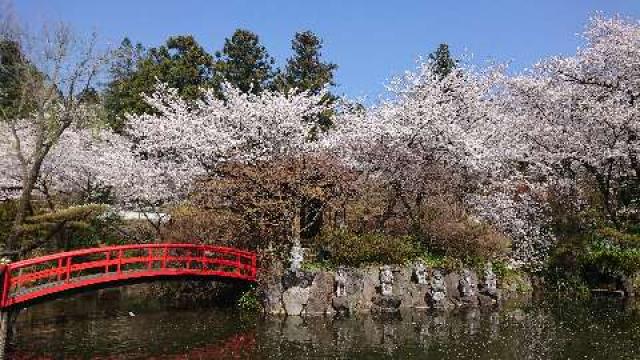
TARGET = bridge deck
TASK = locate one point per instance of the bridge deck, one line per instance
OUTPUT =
(30, 279)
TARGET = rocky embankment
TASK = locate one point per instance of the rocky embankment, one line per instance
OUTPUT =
(381, 289)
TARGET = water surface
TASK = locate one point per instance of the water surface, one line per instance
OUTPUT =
(119, 327)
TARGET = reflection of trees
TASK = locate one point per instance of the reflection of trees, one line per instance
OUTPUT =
(541, 331)
(237, 346)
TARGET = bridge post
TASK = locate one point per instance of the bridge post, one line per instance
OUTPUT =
(7, 322)
(7, 316)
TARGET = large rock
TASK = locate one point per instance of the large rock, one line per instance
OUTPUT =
(272, 300)
(297, 279)
(452, 280)
(320, 294)
(403, 285)
(416, 296)
(369, 283)
(270, 290)
(341, 305)
(295, 300)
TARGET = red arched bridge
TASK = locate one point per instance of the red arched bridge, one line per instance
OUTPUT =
(39, 277)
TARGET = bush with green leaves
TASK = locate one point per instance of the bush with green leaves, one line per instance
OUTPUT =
(352, 249)
(248, 301)
(612, 252)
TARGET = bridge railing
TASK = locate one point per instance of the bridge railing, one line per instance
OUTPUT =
(29, 279)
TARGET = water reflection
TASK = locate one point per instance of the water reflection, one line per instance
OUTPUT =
(95, 327)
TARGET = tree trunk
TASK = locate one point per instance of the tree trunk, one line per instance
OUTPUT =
(24, 203)
(21, 212)
(295, 225)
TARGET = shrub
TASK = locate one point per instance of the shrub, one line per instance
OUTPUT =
(599, 258)
(221, 227)
(348, 248)
(613, 252)
(7, 214)
(448, 229)
(444, 262)
(248, 301)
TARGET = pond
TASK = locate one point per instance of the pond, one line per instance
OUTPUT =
(115, 326)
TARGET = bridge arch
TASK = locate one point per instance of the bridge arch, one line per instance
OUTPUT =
(32, 279)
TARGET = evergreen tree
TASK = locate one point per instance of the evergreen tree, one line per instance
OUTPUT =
(305, 70)
(13, 66)
(442, 62)
(244, 63)
(181, 63)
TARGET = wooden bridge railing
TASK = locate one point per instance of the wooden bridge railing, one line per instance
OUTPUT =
(34, 278)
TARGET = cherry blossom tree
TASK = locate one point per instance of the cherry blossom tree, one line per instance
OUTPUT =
(434, 139)
(241, 128)
(255, 139)
(579, 117)
(59, 66)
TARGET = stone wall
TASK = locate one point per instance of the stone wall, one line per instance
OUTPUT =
(313, 293)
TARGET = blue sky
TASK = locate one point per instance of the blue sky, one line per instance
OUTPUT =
(371, 40)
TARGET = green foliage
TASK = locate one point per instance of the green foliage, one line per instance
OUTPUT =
(64, 229)
(10, 64)
(566, 283)
(443, 262)
(317, 265)
(305, 70)
(181, 63)
(610, 259)
(14, 71)
(7, 214)
(598, 258)
(501, 269)
(248, 301)
(67, 214)
(244, 63)
(610, 252)
(442, 62)
(347, 248)
(620, 238)
(68, 228)
(98, 230)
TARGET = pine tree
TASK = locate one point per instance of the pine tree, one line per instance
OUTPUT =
(244, 63)
(304, 70)
(14, 68)
(442, 62)
(181, 63)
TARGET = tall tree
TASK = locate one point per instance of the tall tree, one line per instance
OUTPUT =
(244, 63)
(181, 63)
(65, 67)
(305, 70)
(12, 67)
(442, 63)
